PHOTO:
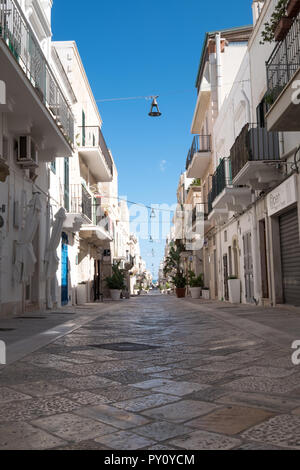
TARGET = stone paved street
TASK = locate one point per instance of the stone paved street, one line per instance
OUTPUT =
(156, 372)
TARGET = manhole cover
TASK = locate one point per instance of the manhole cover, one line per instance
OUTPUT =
(63, 313)
(124, 346)
(30, 318)
(7, 329)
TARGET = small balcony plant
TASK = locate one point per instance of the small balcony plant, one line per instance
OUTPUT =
(116, 282)
(196, 284)
(277, 28)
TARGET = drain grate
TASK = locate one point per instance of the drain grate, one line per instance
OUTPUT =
(7, 329)
(124, 346)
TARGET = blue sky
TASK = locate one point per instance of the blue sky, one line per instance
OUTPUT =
(140, 48)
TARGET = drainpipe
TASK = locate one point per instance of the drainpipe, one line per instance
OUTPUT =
(219, 69)
(255, 253)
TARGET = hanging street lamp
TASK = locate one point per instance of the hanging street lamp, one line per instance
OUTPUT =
(154, 112)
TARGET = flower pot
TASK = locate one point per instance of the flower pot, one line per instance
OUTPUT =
(195, 292)
(282, 28)
(234, 287)
(180, 292)
(115, 294)
(293, 8)
(205, 294)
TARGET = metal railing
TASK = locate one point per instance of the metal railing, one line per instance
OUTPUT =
(198, 209)
(82, 202)
(18, 36)
(91, 136)
(254, 143)
(284, 61)
(201, 143)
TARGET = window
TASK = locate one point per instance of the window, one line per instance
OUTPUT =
(53, 166)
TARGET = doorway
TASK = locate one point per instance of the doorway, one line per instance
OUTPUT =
(64, 270)
(225, 267)
(248, 268)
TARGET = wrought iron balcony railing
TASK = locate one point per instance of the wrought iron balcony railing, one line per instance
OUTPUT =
(284, 61)
(18, 36)
(253, 144)
(201, 143)
(81, 202)
(91, 136)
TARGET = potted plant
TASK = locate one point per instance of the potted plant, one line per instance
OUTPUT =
(278, 26)
(195, 284)
(293, 8)
(180, 283)
(116, 282)
(173, 267)
(234, 288)
(206, 293)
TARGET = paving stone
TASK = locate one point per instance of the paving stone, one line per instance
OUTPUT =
(170, 374)
(87, 398)
(210, 394)
(144, 403)
(114, 416)
(26, 410)
(85, 383)
(73, 427)
(124, 440)
(263, 384)
(282, 430)
(230, 420)
(271, 372)
(40, 389)
(218, 367)
(26, 437)
(82, 445)
(181, 411)
(162, 447)
(180, 388)
(162, 430)
(154, 383)
(126, 377)
(153, 370)
(267, 401)
(8, 394)
(122, 392)
(202, 440)
(259, 446)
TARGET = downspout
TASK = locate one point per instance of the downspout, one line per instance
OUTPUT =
(255, 254)
(219, 69)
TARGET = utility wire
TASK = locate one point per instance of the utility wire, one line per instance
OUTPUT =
(149, 97)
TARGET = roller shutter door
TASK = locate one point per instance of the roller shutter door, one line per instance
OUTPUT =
(290, 257)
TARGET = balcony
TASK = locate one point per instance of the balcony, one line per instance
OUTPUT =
(84, 211)
(254, 156)
(199, 156)
(224, 196)
(94, 152)
(35, 102)
(283, 70)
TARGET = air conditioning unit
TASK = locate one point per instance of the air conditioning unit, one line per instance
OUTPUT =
(27, 152)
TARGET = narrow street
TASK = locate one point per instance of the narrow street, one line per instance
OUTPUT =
(155, 372)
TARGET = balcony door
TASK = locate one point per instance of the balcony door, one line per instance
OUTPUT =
(248, 268)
